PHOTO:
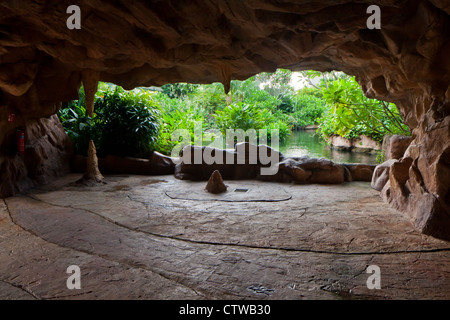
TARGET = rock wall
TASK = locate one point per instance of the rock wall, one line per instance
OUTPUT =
(46, 154)
(361, 144)
(143, 43)
(248, 161)
(394, 146)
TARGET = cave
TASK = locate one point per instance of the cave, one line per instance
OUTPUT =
(405, 60)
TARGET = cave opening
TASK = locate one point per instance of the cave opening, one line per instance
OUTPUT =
(277, 240)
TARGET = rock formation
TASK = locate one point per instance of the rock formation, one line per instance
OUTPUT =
(300, 170)
(158, 164)
(215, 183)
(394, 147)
(143, 43)
(92, 174)
(361, 144)
(47, 154)
(381, 175)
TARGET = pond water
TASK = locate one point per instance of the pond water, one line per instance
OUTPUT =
(308, 143)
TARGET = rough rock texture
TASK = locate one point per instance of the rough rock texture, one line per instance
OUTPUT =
(47, 153)
(131, 241)
(361, 144)
(381, 175)
(142, 43)
(300, 170)
(92, 174)
(243, 162)
(308, 170)
(215, 183)
(360, 172)
(394, 147)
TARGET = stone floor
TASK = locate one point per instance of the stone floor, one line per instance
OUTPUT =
(141, 237)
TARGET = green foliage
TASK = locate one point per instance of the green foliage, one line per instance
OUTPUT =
(284, 130)
(240, 116)
(276, 84)
(209, 98)
(133, 123)
(381, 157)
(310, 91)
(176, 114)
(307, 110)
(248, 116)
(260, 98)
(124, 124)
(179, 90)
(352, 114)
(128, 122)
(76, 123)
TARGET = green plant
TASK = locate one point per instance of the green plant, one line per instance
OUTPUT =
(127, 122)
(248, 116)
(307, 110)
(174, 118)
(179, 90)
(351, 113)
(284, 130)
(77, 124)
(239, 116)
(209, 98)
(276, 83)
(381, 157)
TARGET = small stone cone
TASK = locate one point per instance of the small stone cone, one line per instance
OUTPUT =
(215, 183)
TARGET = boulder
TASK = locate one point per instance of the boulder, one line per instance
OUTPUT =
(334, 175)
(361, 144)
(244, 162)
(360, 172)
(340, 143)
(394, 146)
(365, 144)
(293, 172)
(316, 170)
(295, 169)
(381, 175)
(215, 183)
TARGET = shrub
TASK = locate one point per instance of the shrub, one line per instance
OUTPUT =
(179, 90)
(239, 116)
(352, 114)
(77, 124)
(248, 116)
(307, 110)
(209, 98)
(176, 114)
(127, 122)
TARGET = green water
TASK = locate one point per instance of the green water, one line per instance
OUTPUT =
(308, 143)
